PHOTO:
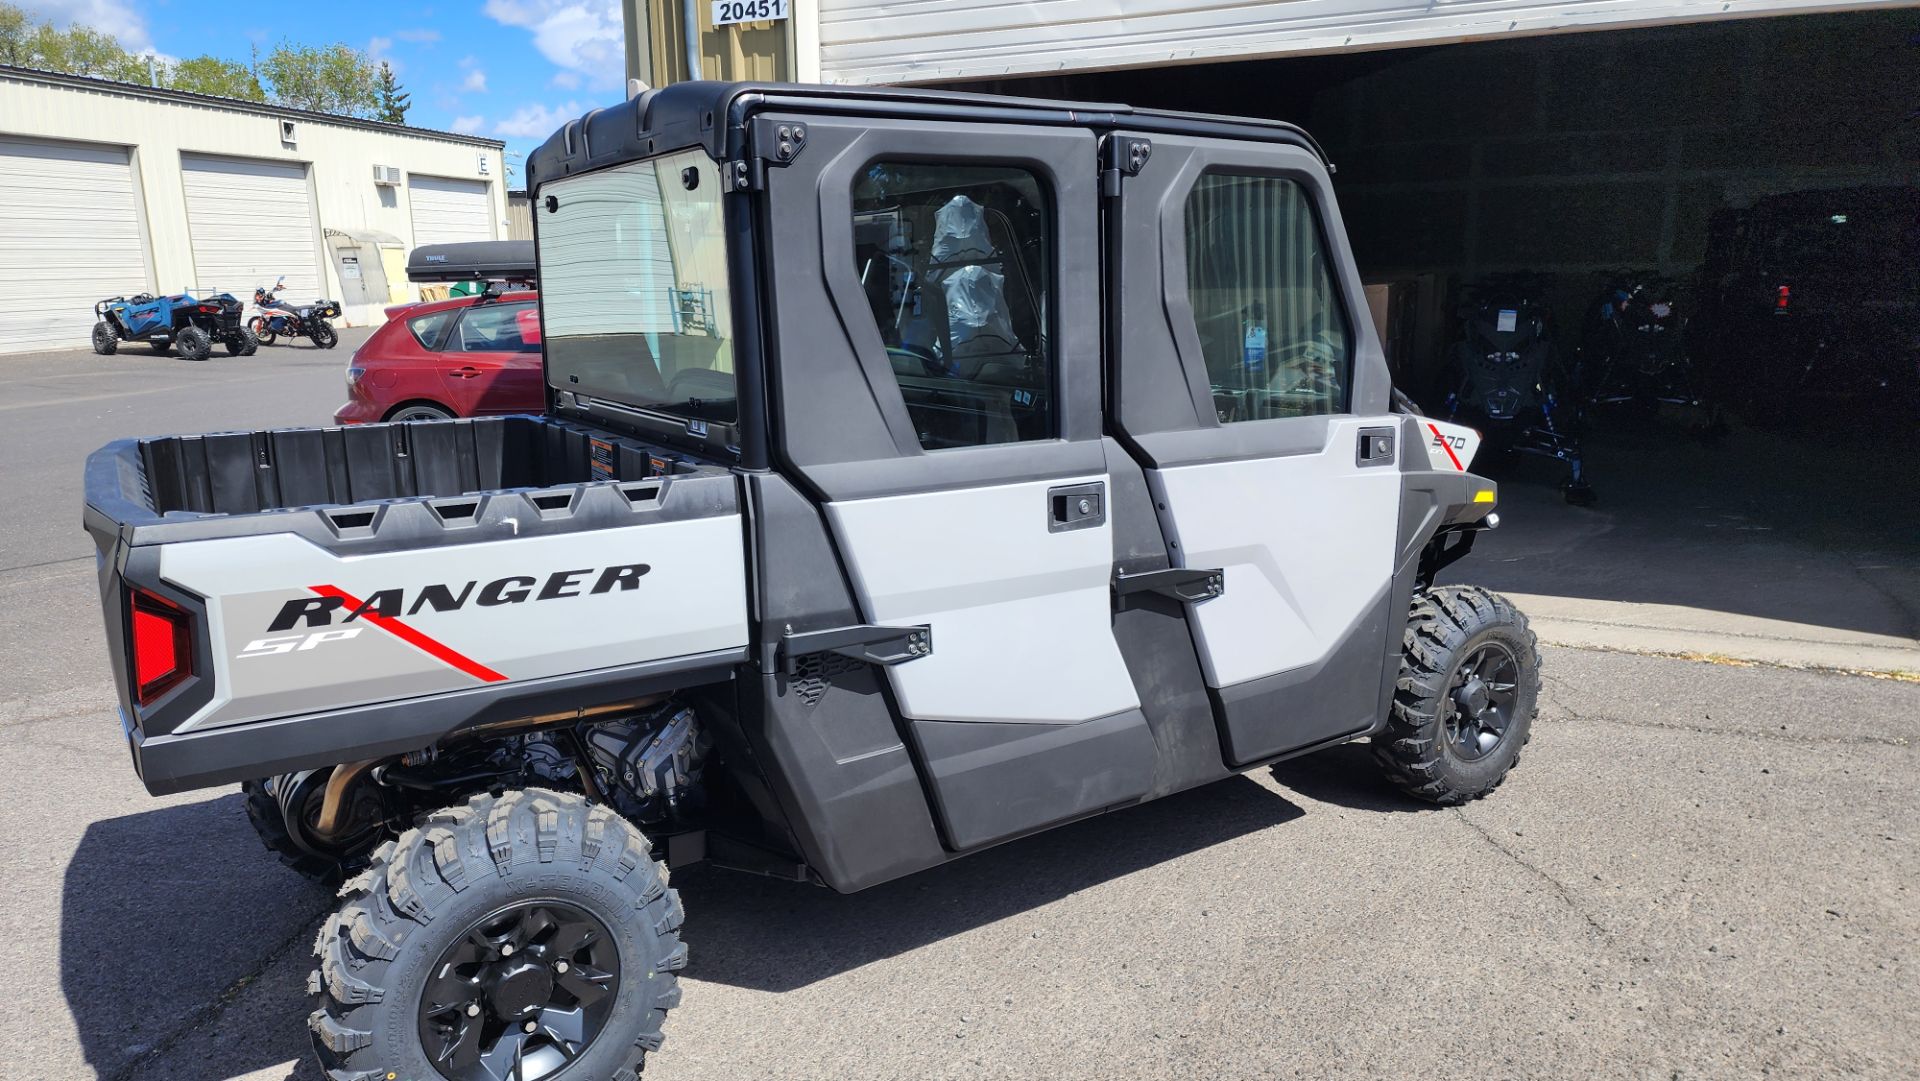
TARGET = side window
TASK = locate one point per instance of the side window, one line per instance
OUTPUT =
(956, 262)
(1272, 330)
(429, 330)
(494, 328)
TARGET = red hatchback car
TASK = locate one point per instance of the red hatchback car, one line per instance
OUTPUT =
(449, 358)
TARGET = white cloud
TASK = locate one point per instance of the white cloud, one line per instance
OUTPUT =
(476, 78)
(537, 121)
(468, 125)
(421, 36)
(566, 80)
(582, 36)
(124, 21)
(380, 51)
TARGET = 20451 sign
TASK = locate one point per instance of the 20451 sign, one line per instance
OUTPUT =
(726, 12)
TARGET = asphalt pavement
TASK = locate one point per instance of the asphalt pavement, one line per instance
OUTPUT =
(1700, 870)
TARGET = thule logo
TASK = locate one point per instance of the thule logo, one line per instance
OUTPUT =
(331, 607)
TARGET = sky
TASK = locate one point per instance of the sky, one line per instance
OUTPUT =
(514, 70)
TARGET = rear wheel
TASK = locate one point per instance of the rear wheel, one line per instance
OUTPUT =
(105, 341)
(528, 936)
(241, 344)
(192, 343)
(323, 334)
(1464, 704)
(421, 411)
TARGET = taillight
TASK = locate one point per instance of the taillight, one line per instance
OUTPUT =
(1780, 301)
(162, 646)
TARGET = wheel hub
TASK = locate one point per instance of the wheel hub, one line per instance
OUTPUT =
(520, 988)
(521, 994)
(1481, 699)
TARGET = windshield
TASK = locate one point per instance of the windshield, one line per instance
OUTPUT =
(633, 287)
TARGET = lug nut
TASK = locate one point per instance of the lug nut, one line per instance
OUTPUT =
(530, 1026)
(473, 1009)
(507, 950)
(559, 966)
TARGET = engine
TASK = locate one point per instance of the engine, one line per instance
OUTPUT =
(649, 766)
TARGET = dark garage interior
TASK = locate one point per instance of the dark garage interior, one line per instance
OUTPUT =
(1761, 176)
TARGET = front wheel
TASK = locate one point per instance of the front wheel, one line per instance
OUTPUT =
(192, 343)
(529, 936)
(323, 334)
(105, 341)
(1464, 704)
(262, 330)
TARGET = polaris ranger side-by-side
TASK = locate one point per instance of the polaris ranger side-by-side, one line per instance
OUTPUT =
(921, 471)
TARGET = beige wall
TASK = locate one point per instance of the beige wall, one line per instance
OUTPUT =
(339, 161)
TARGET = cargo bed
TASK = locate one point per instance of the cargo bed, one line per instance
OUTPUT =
(299, 597)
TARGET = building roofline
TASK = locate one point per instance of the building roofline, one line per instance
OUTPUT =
(242, 105)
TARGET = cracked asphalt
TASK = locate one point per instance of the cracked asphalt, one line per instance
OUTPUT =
(1698, 871)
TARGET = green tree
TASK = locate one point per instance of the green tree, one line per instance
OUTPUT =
(212, 75)
(392, 108)
(328, 79)
(15, 29)
(82, 50)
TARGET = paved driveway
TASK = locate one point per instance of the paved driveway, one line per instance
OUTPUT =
(1699, 870)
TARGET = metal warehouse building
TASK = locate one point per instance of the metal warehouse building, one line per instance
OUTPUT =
(112, 188)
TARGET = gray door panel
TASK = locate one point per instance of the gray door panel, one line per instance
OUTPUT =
(1302, 529)
(1023, 714)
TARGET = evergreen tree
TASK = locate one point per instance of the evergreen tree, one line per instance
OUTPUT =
(393, 101)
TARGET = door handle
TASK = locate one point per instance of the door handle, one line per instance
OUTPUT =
(1376, 447)
(467, 372)
(1076, 506)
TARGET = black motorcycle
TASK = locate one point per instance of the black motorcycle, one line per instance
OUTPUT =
(1508, 383)
(1635, 347)
(279, 319)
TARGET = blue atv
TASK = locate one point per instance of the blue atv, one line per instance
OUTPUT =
(187, 325)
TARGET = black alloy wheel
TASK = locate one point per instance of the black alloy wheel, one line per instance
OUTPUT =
(105, 341)
(323, 334)
(524, 993)
(1480, 700)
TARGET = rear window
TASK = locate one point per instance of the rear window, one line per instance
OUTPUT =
(429, 330)
(633, 285)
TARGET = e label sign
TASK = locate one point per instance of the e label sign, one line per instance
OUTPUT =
(726, 12)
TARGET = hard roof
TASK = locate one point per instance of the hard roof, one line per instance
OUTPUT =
(696, 114)
(113, 86)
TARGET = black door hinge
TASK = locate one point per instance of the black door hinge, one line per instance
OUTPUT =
(1121, 156)
(874, 645)
(1185, 584)
(774, 144)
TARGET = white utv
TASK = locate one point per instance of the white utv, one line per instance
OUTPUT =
(920, 471)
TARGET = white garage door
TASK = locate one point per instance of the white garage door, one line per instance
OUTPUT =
(447, 211)
(251, 223)
(69, 235)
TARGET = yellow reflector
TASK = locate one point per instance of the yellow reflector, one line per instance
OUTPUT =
(1484, 495)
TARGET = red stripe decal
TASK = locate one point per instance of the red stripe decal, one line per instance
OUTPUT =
(1446, 446)
(415, 639)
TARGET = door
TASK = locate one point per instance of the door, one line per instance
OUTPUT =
(937, 389)
(1252, 387)
(69, 235)
(491, 360)
(448, 211)
(251, 223)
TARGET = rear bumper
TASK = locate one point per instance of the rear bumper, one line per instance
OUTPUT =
(356, 411)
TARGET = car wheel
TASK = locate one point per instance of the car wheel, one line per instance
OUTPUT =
(192, 343)
(261, 330)
(105, 341)
(1464, 704)
(421, 411)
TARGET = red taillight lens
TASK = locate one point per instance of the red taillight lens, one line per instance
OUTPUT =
(162, 647)
(1785, 295)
